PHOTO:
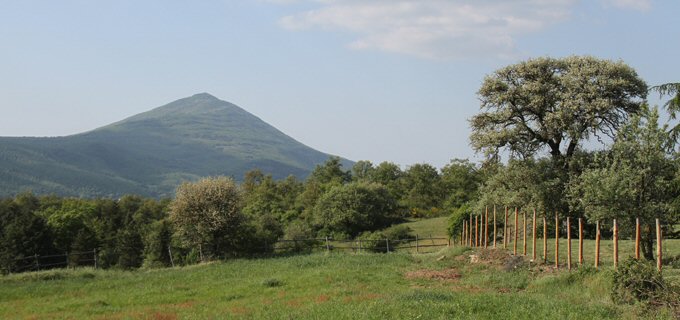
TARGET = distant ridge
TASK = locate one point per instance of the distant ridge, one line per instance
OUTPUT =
(152, 152)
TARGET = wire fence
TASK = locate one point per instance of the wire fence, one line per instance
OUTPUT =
(54, 261)
(474, 232)
(416, 245)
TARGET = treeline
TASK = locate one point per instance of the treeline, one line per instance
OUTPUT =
(216, 218)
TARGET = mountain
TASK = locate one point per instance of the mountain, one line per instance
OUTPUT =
(153, 152)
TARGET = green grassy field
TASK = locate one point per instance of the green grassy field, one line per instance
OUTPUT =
(426, 227)
(441, 285)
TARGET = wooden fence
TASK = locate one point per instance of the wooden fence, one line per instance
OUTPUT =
(475, 233)
(417, 244)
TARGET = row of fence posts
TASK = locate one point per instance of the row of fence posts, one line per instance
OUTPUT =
(481, 235)
(36, 265)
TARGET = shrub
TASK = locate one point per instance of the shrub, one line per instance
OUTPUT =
(398, 232)
(639, 281)
(299, 231)
(272, 282)
(373, 241)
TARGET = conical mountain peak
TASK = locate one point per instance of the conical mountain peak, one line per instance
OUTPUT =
(153, 152)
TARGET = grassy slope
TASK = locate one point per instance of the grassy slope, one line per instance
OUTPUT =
(317, 286)
(426, 227)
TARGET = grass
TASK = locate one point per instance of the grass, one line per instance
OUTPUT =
(320, 286)
(426, 227)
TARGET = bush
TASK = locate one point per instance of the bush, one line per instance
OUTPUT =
(456, 219)
(398, 232)
(373, 241)
(298, 230)
(639, 281)
(272, 282)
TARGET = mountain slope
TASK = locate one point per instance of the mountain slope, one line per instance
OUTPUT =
(152, 152)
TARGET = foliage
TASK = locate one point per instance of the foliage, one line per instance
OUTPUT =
(672, 105)
(423, 190)
(639, 281)
(22, 232)
(455, 222)
(353, 208)
(208, 213)
(546, 103)
(461, 180)
(373, 241)
(398, 232)
(635, 179)
(527, 184)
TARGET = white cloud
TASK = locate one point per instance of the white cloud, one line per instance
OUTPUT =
(435, 29)
(641, 5)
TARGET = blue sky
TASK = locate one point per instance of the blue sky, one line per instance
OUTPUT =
(381, 80)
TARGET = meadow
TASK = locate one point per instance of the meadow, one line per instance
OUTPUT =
(338, 285)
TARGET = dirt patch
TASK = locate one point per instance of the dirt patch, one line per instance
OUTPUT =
(500, 259)
(322, 298)
(163, 316)
(443, 275)
(294, 303)
(239, 310)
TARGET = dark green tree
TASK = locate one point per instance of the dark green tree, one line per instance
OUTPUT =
(347, 210)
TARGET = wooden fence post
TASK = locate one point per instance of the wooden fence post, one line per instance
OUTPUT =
(470, 232)
(494, 226)
(94, 255)
(387, 243)
(476, 231)
(462, 235)
(37, 261)
(486, 227)
(514, 245)
(533, 235)
(524, 233)
(172, 262)
(417, 249)
(568, 243)
(557, 241)
(616, 245)
(597, 244)
(545, 239)
(659, 240)
(580, 242)
(360, 246)
(328, 246)
(505, 229)
(637, 238)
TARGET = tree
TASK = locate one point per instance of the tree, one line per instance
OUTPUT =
(22, 232)
(635, 179)
(350, 209)
(554, 104)
(362, 170)
(424, 193)
(673, 105)
(391, 176)
(207, 215)
(460, 181)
